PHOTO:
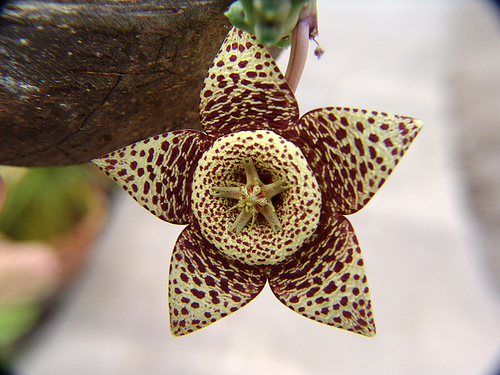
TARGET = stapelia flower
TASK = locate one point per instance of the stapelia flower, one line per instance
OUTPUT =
(264, 194)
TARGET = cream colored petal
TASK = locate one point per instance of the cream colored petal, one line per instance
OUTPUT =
(204, 286)
(326, 280)
(156, 172)
(244, 89)
(352, 151)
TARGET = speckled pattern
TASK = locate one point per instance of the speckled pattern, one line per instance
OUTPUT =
(205, 286)
(298, 209)
(154, 171)
(350, 152)
(244, 89)
(364, 145)
(326, 282)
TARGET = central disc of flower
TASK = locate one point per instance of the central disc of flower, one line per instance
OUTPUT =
(255, 197)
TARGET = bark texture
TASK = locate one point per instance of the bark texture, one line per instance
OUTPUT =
(79, 79)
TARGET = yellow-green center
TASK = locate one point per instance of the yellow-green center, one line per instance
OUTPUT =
(254, 197)
(249, 174)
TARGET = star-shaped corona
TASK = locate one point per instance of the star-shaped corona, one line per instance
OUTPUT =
(253, 197)
(264, 194)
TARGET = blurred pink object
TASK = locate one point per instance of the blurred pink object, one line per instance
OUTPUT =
(28, 272)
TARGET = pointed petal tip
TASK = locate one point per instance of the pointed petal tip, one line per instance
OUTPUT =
(327, 282)
(243, 88)
(205, 287)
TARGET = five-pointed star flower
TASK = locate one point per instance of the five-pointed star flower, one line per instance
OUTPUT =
(264, 194)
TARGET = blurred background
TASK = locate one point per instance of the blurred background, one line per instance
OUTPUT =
(430, 237)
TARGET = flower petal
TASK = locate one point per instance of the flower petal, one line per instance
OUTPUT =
(326, 281)
(157, 172)
(352, 151)
(245, 90)
(205, 286)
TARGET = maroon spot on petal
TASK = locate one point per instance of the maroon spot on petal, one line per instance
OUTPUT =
(338, 267)
(359, 145)
(332, 117)
(209, 281)
(330, 288)
(344, 301)
(320, 300)
(341, 134)
(311, 292)
(197, 293)
(347, 314)
(159, 160)
(304, 285)
(294, 299)
(362, 322)
(345, 277)
(151, 153)
(235, 77)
